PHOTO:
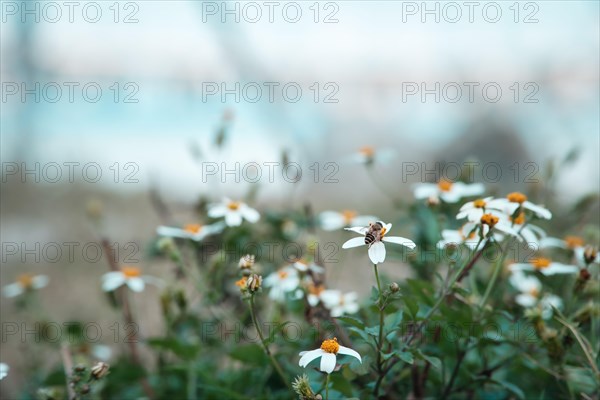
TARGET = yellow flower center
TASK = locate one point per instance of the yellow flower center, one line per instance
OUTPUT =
(367, 151)
(541, 262)
(383, 231)
(445, 185)
(283, 274)
(192, 228)
(534, 292)
(472, 233)
(519, 219)
(489, 219)
(479, 203)
(233, 205)
(131, 272)
(348, 215)
(315, 289)
(242, 282)
(574, 241)
(25, 280)
(330, 346)
(516, 197)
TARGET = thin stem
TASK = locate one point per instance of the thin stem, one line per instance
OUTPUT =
(382, 187)
(494, 278)
(191, 382)
(327, 387)
(380, 340)
(265, 346)
(68, 367)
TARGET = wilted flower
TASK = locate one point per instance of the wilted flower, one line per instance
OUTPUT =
(130, 276)
(447, 191)
(590, 255)
(24, 283)
(281, 282)
(301, 386)
(99, 370)
(247, 261)
(333, 220)
(4, 368)
(233, 211)
(376, 248)
(328, 352)
(194, 232)
(254, 283)
(545, 266)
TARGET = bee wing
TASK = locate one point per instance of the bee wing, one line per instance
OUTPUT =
(358, 229)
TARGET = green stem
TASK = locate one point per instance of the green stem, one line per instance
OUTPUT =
(265, 346)
(382, 187)
(380, 340)
(494, 278)
(191, 383)
(327, 388)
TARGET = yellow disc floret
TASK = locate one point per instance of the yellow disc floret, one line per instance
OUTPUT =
(541, 262)
(330, 346)
(192, 228)
(489, 220)
(25, 280)
(445, 185)
(348, 215)
(367, 151)
(479, 203)
(516, 197)
(233, 205)
(131, 272)
(574, 241)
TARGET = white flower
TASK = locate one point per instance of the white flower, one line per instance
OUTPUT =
(530, 288)
(474, 210)
(449, 192)
(368, 155)
(233, 211)
(24, 283)
(282, 282)
(333, 220)
(377, 248)
(517, 227)
(339, 303)
(328, 352)
(574, 243)
(468, 235)
(4, 368)
(194, 232)
(303, 266)
(545, 266)
(130, 276)
(515, 200)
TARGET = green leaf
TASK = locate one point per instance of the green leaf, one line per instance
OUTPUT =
(510, 387)
(405, 356)
(413, 307)
(393, 321)
(352, 321)
(183, 350)
(431, 360)
(372, 330)
(360, 333)
(250, 353)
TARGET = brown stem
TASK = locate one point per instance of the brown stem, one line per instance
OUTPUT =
(65, 354)
(128, 318)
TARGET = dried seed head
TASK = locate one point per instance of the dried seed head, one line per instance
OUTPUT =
(99, 370)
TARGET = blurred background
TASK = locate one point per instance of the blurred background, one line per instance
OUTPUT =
(155, 94)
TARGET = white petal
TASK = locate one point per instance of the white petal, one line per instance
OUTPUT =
(250, 214)
(328, 362)
(520, 267)
(112, 280)
(217, 210)
(354, 242)
(358, 229)
(400, 240)
(39, 281)
(331, 220)
(307, 356)
(136, 284)
(172, 232)
(331, 297)
(312, 299)
(349, 352)
(101, 352)
(540, 211)
(377, 252)
(425, 190)
(552, 242)
(4, 368)
(558, 268)
(388, 228)
(363, 220)
(12, 290)
(233, 218)
(526, 300)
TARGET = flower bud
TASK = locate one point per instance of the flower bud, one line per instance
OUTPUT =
(247, 262)
(394, 288)
(590, 254)
(99, 370)
(254, 282)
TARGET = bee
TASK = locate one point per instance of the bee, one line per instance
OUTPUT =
(374, 233)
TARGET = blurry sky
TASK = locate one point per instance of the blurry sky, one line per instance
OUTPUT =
(371, 52)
